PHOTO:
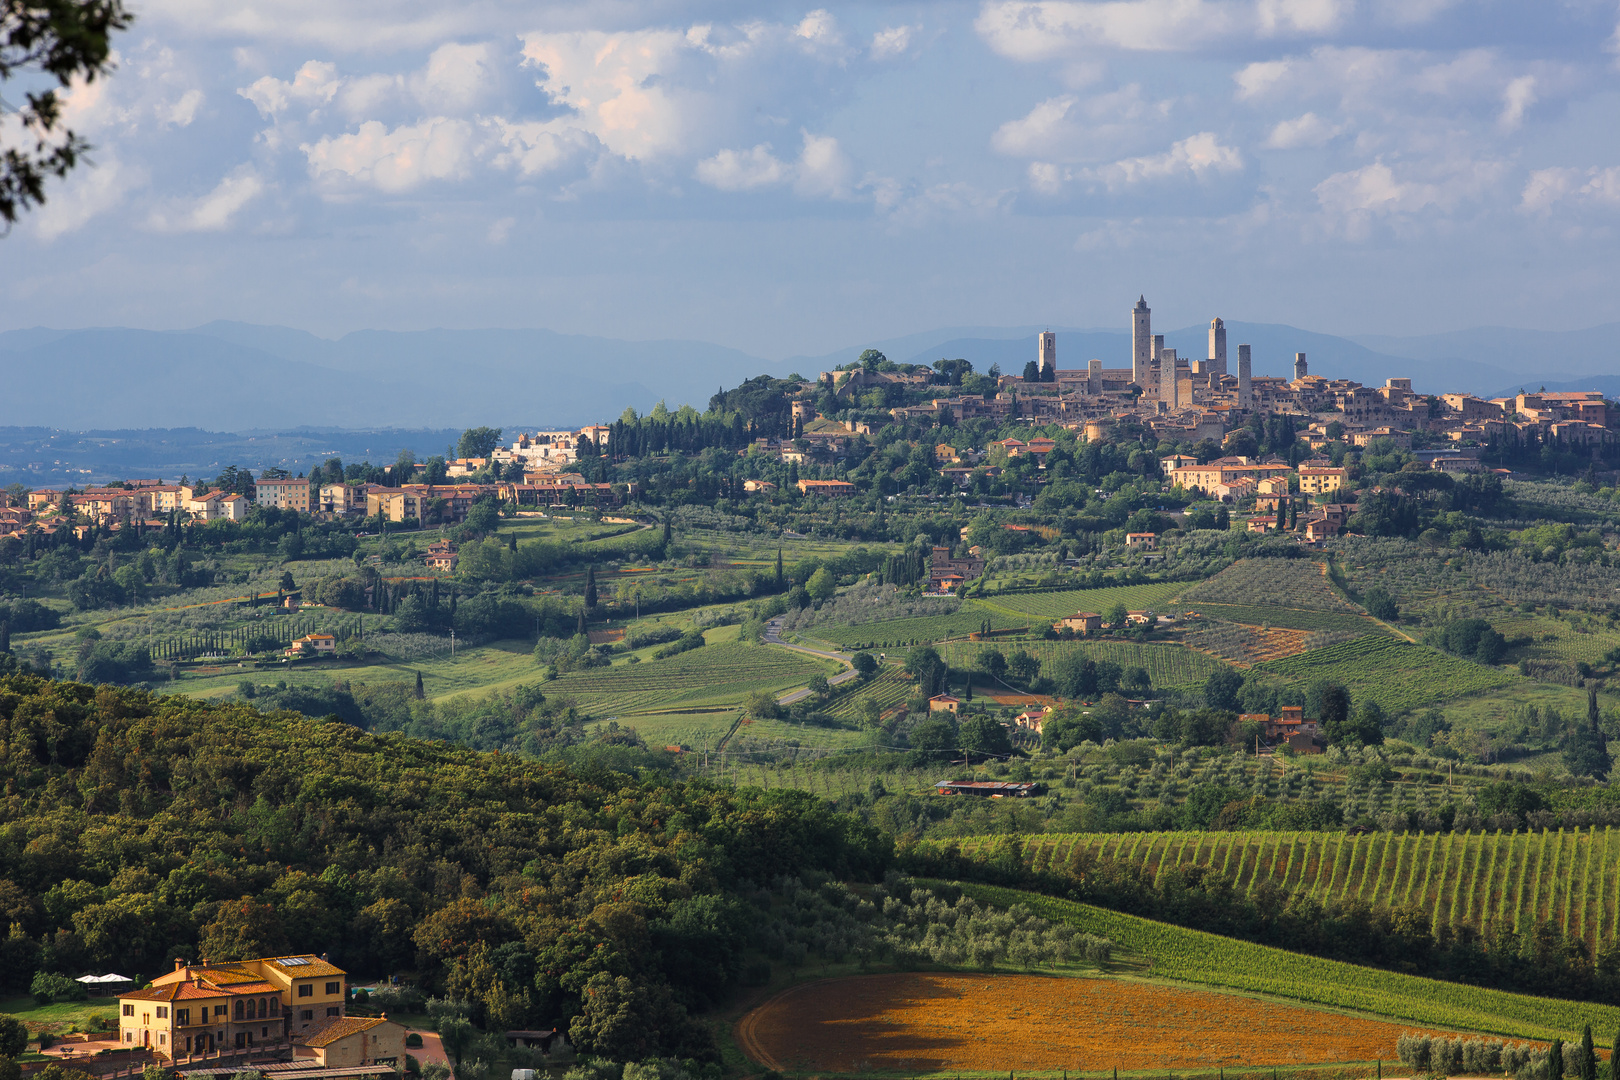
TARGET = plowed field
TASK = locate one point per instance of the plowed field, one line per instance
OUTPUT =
(984, 1023)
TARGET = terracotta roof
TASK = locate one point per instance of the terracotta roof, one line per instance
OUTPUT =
(339, 1027)
(185, 991)
(300, 967)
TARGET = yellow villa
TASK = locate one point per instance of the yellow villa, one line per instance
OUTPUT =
(206, 1007)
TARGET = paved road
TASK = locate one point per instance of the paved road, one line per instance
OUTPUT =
(773, 636)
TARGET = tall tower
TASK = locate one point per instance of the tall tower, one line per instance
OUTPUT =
(1168, 388)
(1141, 342)
(1094, 384)
(1047, 360)
(1245, 391)
(1301, 369)
(1217, 348)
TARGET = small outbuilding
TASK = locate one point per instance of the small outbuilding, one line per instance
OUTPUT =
(351, 1041)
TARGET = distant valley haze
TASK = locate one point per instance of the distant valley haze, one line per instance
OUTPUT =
(232, 376)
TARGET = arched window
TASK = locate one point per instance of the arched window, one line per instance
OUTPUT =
(239, 1008)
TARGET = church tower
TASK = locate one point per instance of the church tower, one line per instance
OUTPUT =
(1046, 362)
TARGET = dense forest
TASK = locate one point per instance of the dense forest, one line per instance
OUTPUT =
(138, 828)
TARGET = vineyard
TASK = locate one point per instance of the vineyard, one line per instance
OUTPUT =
(1283, 583)
(1195, 956)
(1398, 675)
(888, 687)
(1242, 644)
(1167, 665)
(1288, 618)
(1570, 877)
(714, 675)
(1052, 606)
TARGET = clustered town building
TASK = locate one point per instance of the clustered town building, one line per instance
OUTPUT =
(544, 460)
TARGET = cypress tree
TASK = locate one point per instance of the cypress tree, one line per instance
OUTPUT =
(511, 542)
(1555, 1060)
(580, 628)
(669, 532)
(590, 583)
(1614, 1058)
(1588, 1055)
(5, 637)
(419, 693)
(778, 568)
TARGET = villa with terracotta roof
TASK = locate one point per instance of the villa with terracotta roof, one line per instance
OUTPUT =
(202, 1008)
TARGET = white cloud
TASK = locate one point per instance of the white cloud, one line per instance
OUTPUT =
(536, 147)
(822, 171)
(92, 191)
(1199, 156)
(184, 111)
(315, 84)
(436, 148)
(614, 83)
(454, 78)
(743, 170)
(352, 26)
(1055, 29)
(1549, 186)
(1072, 128)
(1375, 190)
(1518, 97)
(1300, 16)
(891, 41)
(1306, 130)
(1035, 132)
(819, 29)
(500, 230)
(215, 210)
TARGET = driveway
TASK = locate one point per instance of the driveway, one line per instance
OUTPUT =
(773, 636)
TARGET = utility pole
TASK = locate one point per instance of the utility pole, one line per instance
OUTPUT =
(452, 643)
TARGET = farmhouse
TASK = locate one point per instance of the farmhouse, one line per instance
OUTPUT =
(1081, 622)
(350, 1041)
(944, 703)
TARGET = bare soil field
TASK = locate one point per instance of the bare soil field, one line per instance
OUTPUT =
(922, 1023)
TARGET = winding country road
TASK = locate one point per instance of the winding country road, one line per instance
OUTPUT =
(773, 636)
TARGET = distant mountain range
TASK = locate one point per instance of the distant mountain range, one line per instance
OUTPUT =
(229, 376)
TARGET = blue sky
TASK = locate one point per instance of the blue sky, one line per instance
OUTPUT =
(791, 179)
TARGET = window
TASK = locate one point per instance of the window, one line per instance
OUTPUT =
(275, 1006)
(129, 1010)
(334, 988)
(307, 1014)
(163, 1012)
(220, 1010)
(333, 1011)
(129, 1036)
(162, 1038)
(182, 1017)
(306, 989)
(239, 1008)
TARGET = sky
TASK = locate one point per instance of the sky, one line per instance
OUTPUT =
(792, 179)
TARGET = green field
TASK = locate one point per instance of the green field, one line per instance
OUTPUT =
(711, 677)
(895, 633)
(1051, 606)
(1570, 877)
(1198, 957)
(1398, 675)
(1166, 664)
